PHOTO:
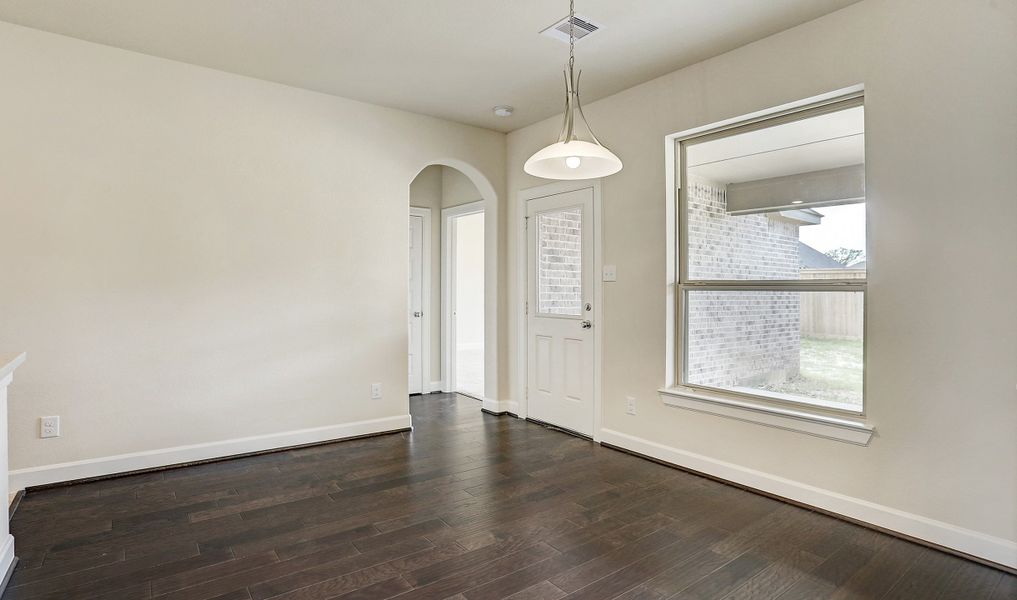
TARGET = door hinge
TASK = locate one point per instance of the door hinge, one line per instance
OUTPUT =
(526, 307)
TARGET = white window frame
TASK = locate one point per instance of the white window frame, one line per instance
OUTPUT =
(801, 416)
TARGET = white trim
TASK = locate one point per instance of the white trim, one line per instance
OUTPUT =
(671, 261)
(766, 113)
(981, 545)
(834, 428)
(436, 386)
(123, 463)
(9, 363)
(425, 293)
(448, 331)
(500, 406)
(7, 561)
(524, 196)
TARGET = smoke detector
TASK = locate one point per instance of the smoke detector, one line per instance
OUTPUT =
(503, 110)
(582, 27)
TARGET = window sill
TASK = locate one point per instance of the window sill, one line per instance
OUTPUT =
(824, 426)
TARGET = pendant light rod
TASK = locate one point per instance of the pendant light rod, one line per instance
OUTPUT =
(572, 32)
(572, 102)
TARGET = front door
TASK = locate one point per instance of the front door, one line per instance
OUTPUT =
(415, 304)
(560, 346)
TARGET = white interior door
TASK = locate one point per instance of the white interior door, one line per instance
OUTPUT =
(559, 310)
(415, 305)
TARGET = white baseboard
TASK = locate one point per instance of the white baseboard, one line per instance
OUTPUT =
(123, 463)
(493, 406)
(974, 543)
(501, 406)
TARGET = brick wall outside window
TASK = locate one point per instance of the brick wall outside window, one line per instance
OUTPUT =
(740, 338)
(559, 272)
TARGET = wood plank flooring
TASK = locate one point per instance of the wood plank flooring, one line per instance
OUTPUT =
(468, 506)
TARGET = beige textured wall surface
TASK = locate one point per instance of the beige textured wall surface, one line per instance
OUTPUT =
(190, 256)
(457, 188)
(942, 329)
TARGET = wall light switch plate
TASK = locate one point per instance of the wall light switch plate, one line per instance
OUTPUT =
(49, 427)
(630, 405)
(375, 391)
(610, 273)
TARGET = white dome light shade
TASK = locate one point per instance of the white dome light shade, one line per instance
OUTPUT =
(590, 160)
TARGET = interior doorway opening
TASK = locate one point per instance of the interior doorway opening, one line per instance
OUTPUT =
(464, 265)
(446, 284)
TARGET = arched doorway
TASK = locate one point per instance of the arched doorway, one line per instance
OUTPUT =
(451, 309)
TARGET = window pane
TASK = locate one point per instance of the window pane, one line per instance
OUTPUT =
(793, 346)
(771, 203)
(835, 247)
(559, 262)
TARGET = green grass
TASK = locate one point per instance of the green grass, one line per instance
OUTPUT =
(829, 370)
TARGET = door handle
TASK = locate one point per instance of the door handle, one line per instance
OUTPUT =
(418, 314)
(585, 324)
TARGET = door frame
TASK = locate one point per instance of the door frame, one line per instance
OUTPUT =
(522, 345)
(425, 299)
(448, 243)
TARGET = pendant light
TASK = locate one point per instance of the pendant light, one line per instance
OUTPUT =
(571, 157)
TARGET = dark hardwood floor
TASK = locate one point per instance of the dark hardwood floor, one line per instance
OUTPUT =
(468, 506)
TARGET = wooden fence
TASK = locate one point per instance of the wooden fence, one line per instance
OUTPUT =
(832, 315)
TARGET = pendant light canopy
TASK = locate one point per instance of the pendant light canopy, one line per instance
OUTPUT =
(571, 157)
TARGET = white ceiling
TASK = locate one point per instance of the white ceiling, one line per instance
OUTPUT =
(454, 59)
(825, 141)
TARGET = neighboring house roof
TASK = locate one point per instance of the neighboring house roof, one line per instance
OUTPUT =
(810, 258)
(858, 264)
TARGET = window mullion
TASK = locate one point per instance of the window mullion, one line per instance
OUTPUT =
(800, 285)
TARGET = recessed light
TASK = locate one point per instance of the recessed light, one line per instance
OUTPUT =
(796, 202)
(503, 111)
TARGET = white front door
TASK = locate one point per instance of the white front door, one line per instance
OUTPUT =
(415, 304)
(560, 343)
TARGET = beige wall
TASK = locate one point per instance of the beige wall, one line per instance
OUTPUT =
(470, 279)
(941, 145)
(190, 256)
(456, 188)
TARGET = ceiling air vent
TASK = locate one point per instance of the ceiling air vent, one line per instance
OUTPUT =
(560, 30)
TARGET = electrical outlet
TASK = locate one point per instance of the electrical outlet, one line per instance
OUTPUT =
(375, 391)
(630, 405)
(49, 427)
